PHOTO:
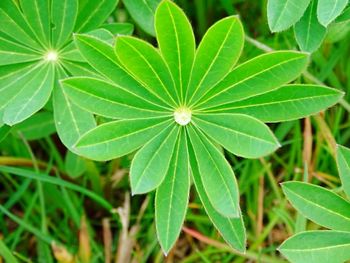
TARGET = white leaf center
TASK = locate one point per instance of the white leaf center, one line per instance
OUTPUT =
(183, 116)
(51, 56)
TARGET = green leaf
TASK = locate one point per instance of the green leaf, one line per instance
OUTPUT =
(282, 14)
(103, 34)
(119, 28)
(231, 229)
(12, 53)
(240, 134)
(343, 161)
(32, 97)
(37, 14)
(109, 100)
(172, 196)
(93, 14)
(145, 63)
(216, 55)
(256, 76)
(4, 131)
(288, 102)
(63, 15)
(319, 205)
(71, 121)
(317, 247)
(217, 176)
(152, 161)
(74, 165)
(118, 138)
(176, 42)
(38, 126)
(6, 253)
(143, 13)
(14, 24)
(345, 16)
(309, 33)
(328, 10)
(75, 68)
(101, 56)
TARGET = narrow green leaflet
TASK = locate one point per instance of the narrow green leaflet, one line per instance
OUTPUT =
(70, 120)
(38, 126)
(32, 97)
(319, 205)
(282, 14)
(240, 134)
(231, 229)
(328, 10)
(216, 55)
(289, 102)
(64, 14)
(145, 63)
(101, 56)
(176, 42)
(37, 14)
(14, 24)
(256, 76)
(109, 100)
(309, 33)
(343, 161)
(13, 53)
(119, 28)
(152, 161)
(93, 13)
(4, 131)
(217, 176)
(143, 13)
(317, 247)
(118, 138)
(172, 196)
(74, 165)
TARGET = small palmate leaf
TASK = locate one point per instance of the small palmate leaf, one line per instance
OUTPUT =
(231, 229)
(145, 63)
(328, 10)
(118, 138)
(319, 205)
(288, 102)
(216, 55)
(217, 176)
(282, 14)
(343, 161)
(172, 196)
(109, 100)
(309, 33)
(317, 247)
(256, 76)
(176, 42)
(152, 161)
(240, 134)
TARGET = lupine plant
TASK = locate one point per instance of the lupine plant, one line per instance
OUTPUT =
(327, 209)
(309, 17)
(37, 49)
(179, 106)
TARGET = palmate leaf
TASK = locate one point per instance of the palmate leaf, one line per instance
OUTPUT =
(317, 247)
(118, 138)
(319, 205)
(282, 14)
(309, 33)
(343, 161)
(176, 43)
(152, 161)
(328, 10)
(240, 134)
(216, 55)
(217, 176)
(172, 196)
(288, 102)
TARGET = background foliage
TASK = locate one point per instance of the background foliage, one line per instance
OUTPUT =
(63, 198)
